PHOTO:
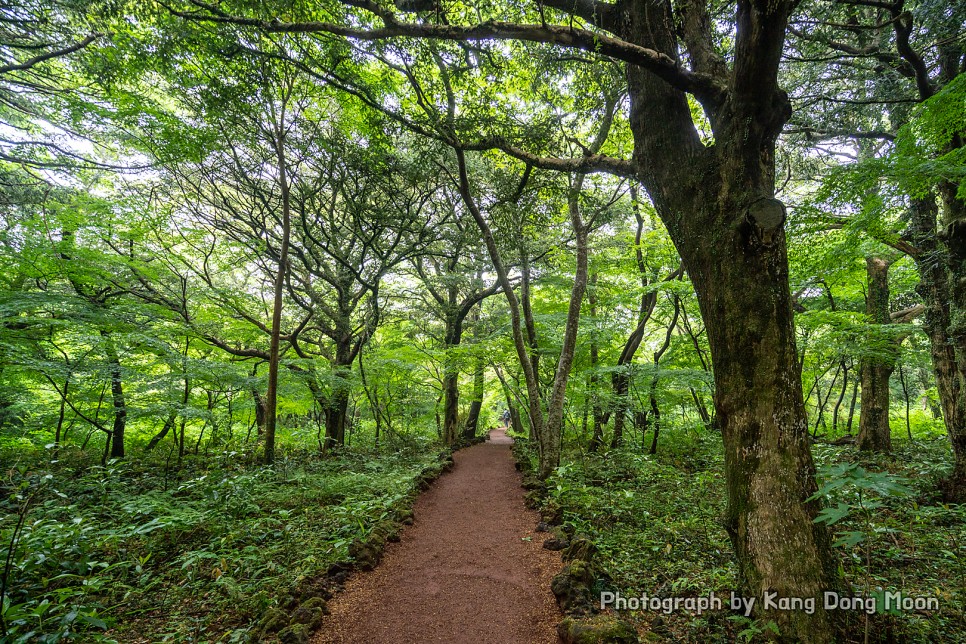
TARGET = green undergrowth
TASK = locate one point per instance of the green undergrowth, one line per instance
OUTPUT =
(657, 520)
(137, 553)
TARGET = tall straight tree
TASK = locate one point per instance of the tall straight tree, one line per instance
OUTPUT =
(277, 132)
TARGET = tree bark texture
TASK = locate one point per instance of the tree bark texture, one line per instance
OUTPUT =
(874, 431)
(718, 205)
(941, 264)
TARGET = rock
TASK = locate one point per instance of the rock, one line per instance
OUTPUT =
(581, 549)
(573, 588)
(551, 513)
(388, 530)
(554, 544)
(599, 629)
(295, 634)
(366, 554)
(339, 572)
(659, 627)
(531, 482)
(363, 555)
(558, 540)
(310, 613)
(533, 499)
(542, 527)
(272, 621)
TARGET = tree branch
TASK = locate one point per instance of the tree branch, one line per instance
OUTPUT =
(702, 86)
(599, 14)
(36, 60)
(587, 164)
(903, 29)
(905, 316)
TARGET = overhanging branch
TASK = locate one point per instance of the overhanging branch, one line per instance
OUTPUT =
(703, 87)
(36, 60)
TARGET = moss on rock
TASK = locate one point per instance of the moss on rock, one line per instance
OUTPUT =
(599, 629)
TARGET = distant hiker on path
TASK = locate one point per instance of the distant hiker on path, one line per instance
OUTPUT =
(506, 419)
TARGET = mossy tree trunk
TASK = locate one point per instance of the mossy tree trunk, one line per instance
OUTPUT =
(874, 431)
(941, 260)
(718, 204)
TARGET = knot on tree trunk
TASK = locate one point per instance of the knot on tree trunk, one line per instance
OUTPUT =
(766, 216)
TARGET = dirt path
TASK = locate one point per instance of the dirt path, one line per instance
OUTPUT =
(463, 572)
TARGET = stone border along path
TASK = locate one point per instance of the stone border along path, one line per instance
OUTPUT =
(470, 570)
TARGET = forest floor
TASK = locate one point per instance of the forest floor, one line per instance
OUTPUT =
(471, 568)
(656, 522)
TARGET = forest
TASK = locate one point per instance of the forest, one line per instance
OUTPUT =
(273, 274)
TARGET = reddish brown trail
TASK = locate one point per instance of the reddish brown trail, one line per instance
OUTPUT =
(470, 569)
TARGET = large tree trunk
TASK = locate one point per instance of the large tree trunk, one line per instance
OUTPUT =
(718, 205)
(874, 431)
(954, 487)
(451, 372)
(336, 411)
(939, 265)
(451, 400)
(336, 404)
(759, 407)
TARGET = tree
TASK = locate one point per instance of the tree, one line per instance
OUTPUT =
(38, 88)
(875, 433)
(239, 165)
(453, 285)
(621, 377)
